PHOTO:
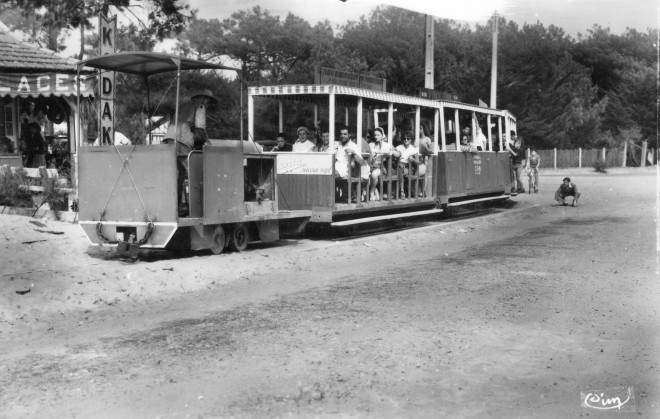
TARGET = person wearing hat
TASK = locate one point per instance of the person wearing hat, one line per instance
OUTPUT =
(191, 120)
(188, 132)
(302, 143)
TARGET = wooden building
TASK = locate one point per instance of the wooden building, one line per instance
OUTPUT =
(38, 85)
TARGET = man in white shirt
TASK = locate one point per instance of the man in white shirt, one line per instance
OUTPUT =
(303, 144)
(344, 150)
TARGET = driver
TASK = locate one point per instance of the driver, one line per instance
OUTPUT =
(190, 126)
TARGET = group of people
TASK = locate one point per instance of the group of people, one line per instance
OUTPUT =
(405, 160)
(369, 160)
(520, 163)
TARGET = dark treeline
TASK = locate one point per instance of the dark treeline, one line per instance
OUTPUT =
(596, 90)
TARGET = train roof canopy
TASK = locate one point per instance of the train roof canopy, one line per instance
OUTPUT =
(148, 63)
(313, 93)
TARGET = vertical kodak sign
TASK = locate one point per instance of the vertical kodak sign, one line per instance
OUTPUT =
(108, 35)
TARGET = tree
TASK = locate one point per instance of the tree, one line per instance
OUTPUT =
(265, 46)
(391, 43)
(46, 20)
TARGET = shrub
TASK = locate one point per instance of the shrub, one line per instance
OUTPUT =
(600, 166)
(51, 195)
(12, 189)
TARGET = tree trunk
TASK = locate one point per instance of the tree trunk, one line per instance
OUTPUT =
(53, 32)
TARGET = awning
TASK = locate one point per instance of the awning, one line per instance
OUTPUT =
(46, 84)
(148, 63)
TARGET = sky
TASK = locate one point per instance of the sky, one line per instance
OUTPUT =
(572, 15)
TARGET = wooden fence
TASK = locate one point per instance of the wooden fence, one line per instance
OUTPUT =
(614, 157)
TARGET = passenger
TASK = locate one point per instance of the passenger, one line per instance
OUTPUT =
(365, 149)
(282, 145)
(479, 139)
(409, 153)
(534, 164)
(343, 152)
(369, 136)
(303, 144)
(496, 141)
(466, 140)
(324, 145)
(567, 188)
(35, 146)
(380, 148)
(425, 142)
(517, 157)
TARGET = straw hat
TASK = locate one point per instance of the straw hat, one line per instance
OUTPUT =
(205, 93)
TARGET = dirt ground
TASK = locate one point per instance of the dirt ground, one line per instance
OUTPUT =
(510, 314)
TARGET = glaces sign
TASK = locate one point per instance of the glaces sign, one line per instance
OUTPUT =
(35, 84)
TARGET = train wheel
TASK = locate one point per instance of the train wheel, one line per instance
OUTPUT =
(239, 238)
(218, 240)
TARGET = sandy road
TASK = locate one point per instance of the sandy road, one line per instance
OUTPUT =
(492, 317)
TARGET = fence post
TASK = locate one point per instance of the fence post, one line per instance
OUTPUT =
(580, 157)
(645, 146)
(603, 154)
(625, 153)
(555, 158)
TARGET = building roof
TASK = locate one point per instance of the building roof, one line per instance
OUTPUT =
(24, 57)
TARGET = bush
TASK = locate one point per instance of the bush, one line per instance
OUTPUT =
(12, 190)
(51, 195)
(600, 166)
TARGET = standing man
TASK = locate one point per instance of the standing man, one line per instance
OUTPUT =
(188, 132)
(345, 149)
(517, 156)
(302, 143)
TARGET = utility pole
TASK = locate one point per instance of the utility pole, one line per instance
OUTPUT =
(428, 67)
(493, 71)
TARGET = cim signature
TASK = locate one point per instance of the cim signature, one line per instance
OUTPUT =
(596, 401)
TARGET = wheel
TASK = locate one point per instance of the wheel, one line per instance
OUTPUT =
(239, 238)
(218, 240)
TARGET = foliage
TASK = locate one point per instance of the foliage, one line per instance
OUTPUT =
(51, 195)
(600, 166)
(264, 45)
(12, 190)
(47, 21)
(565, 92)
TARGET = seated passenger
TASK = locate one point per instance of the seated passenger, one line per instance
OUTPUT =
(466, 140)
(302, 143)
(324, 144)
(409, 154)
(343, 152)
(380, 150)
(566, 189)
(282, 145)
